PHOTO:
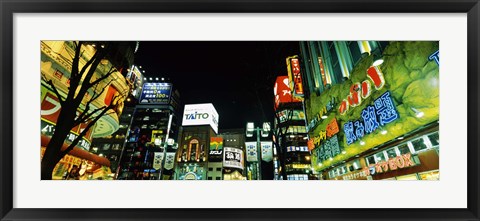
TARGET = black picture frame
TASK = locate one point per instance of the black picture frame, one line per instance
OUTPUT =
(9, 7)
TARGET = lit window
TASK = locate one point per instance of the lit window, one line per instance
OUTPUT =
(434, 139)
(419, 144)
(403, 148)
(391, 153)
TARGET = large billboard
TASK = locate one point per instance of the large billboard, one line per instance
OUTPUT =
(50, 110)
(267, 150)
(233, 158)
(381, 101)
(282, 91)
(156, 93)
(200, 114)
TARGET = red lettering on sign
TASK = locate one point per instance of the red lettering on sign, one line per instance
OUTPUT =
(408, 160)
(365, 89)
(376, 76)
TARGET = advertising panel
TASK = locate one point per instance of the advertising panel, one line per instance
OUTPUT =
(382, 100)
(169, 160)
(157, 160)
(216, 149)
(135, 80)
(156, 93)
(200, 114)
(282, 91)
(251, 148)
(50, 109)
(233, 157)
(267, 151)
(286, 115)
(294, 75)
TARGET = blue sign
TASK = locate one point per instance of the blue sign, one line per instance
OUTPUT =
(435, 56)
(381, 113)
(156, 93)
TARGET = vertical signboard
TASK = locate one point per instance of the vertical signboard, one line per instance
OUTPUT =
(251, 148)
(216, 149)
(170, 160)
(233, 157)
(157, 160)
(267, 151)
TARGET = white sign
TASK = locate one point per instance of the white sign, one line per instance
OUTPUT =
(267, 151)
(251, 151)
(200, 114)
(170, 160)
(157, 160)
(232, 157)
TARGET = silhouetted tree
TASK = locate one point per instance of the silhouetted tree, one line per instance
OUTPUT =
(86, 85)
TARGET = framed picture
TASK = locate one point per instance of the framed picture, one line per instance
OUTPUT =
(399, 178)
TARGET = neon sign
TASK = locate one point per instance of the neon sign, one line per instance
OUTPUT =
(381, 113)
(317, 118)
(399, 162)
(359, 91)
(435, 57)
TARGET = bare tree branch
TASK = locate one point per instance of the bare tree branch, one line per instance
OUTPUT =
(105, 109)
(98, 80)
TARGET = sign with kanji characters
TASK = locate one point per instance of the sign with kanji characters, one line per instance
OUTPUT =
(50, 110)
(156, 93)
(233, 157)
(267, 151)
(251, 148)
(373, 116)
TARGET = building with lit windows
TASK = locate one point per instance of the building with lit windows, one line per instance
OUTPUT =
(199, 125)
(147, 153)
(233, 169)
(293, 161)
(372, 109)
(56, 65)
(111, 146)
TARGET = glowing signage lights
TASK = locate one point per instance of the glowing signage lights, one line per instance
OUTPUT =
(435, 57)
(381, 113)
(359, 91)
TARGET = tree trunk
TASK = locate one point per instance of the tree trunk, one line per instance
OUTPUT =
(53, 150)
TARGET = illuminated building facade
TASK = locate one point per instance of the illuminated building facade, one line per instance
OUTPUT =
(147, 153)
(292, 157)
(372, 109)
(56, 65)
(233, 161)
(199, 125)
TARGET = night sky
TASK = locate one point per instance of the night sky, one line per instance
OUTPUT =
(237, 77)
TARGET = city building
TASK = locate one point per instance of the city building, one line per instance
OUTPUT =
(111, 146)
(56, 65)
(149, 150)
(292, 157)
(199, 125)
(372, 109)
(234, 158)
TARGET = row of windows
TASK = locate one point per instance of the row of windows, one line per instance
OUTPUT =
(422, 143)
(330, 62)
(216, 178)
(416, 145)
(217, 169)
(297, 177)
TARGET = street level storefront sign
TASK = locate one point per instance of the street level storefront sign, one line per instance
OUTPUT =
(399, 162)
